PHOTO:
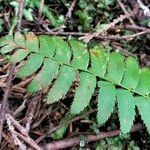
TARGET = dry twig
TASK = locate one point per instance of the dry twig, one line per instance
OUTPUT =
(69, 13)
(145, 9)
(24, 136)
(15, 138)
(17, 125)
(51, 130)
(108, 26)
(41, 9)
(10, 76)
(20, 108)
(102, 37)
(125, 11)
(20, 13)
(5, 100)
(31, 110)
(90, 138)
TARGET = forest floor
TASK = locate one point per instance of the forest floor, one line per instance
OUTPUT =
(28, 122)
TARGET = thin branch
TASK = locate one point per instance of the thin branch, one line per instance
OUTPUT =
(17, 125)
(10, 76)
(102, 37)
(108, 26)
(125, 37)
(69, 13)
(28, 140)
(5, 100)
(51, 130)
(90, 138)
(31, 110)
(135, 27)
(24, 135)
(125, 11)
(20, 108)
(15, 138)
(145, 9)
(20, 14)
(40, 10)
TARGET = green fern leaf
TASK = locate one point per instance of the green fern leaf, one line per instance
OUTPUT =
(98, 63)
(131, 75)
(6, 40)
(115, 68)
(84, 92)
(32, 65)
(58, 134)
(143, 105)
(19, 55)
(44, 77)
(62, 84)
(80, 55)
(63, 53)
(8, 48)
(47, 46)
(143, 86)
(32, 42)
(126, 109)
(106, 101)
(19, 39)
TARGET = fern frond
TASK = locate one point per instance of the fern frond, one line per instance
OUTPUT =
(51, 57)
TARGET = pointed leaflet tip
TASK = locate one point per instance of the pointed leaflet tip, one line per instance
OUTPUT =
(106, 101)
(126, 109)
(143, 105)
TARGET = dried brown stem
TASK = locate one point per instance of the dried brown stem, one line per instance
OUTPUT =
(17, 125)
(51, 130)
(20, 13)
(102, 37)
(69, 13)
(5, 100)
(108, 26)
(125, 11)
(20, 108)
(15, 138)
(29, 141)
(10, 76)
(24, 135)
(90, 138)
(31, 110)
(135, 27)
(24, 82)
(41, 9)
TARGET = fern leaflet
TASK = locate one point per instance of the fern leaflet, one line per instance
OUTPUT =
(51, 57)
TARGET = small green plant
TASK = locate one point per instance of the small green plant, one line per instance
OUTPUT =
(117, 143)
(120, 80)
